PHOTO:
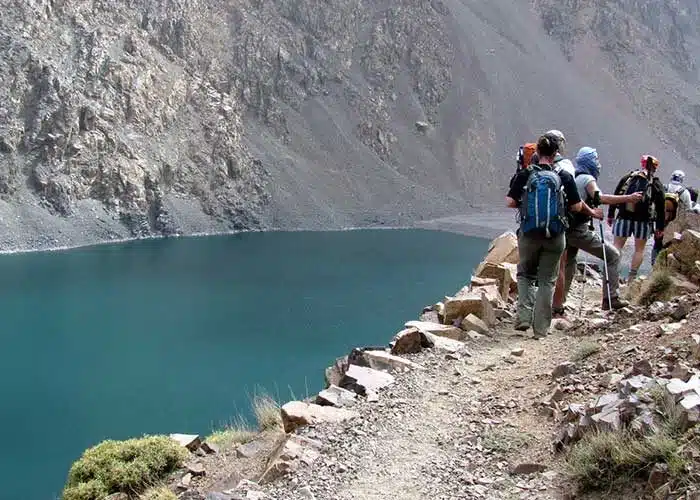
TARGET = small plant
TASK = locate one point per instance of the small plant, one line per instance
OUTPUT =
(237, 432)
(613, 460)
(584, 350)
(657, 287)
(267, 412)
(158, 493)
(129, 466)
(506, 440)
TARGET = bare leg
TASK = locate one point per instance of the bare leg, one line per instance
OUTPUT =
(558, 302)
(638, 256)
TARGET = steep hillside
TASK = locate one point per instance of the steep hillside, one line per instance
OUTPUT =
(133, 117)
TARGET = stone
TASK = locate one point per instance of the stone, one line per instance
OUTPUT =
(306, 492)
(472, 335)
(336, 396)
(361, 379)
(657, 309)
(472, 322)
(251, 449)
(679, 312)
(636, 383)
(118, 496)
(382, 360)
(519, 351)
(658, 476)
(185, 481)
(297, 414)
(642, 367)
(189, 441)
(422, 126)
(196, 469)
(470, 303)
(562, 369)
(292, 450)
(607, 420)
(216, 495)
(446, 344)
(335, 373)
(695, 346)
(690, 401)
(676, 387)
(504, 273)
(477, 282)
(669, 328)
(209, 448)
(451, 332)
(493, 295)
(528, 468)
(561, 324)
(687, 250)
(502, 250)
(554, 397)
(597, 323)
(607, 400)
(407, 341)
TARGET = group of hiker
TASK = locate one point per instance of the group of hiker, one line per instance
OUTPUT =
(558, 200)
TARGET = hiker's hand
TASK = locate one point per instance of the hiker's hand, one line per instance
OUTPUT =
(597, 213)
(610, 222)
(635, 197)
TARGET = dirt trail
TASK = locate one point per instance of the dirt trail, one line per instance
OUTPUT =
(452, 430)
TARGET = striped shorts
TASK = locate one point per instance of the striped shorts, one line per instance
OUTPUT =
(626, 228)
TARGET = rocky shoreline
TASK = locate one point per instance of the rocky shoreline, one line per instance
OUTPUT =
(460, 405)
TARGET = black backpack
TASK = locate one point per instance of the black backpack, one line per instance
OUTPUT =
(637, 181)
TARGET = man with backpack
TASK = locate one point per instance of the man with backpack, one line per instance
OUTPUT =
(642, 218)
(542, 196)
(582, 236)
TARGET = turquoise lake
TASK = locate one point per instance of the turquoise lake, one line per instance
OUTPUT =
(175, 335)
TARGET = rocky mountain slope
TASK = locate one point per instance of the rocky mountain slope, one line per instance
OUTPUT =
(124, 118)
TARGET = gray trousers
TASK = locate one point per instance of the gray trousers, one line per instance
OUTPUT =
(539, 260)
(582, 238)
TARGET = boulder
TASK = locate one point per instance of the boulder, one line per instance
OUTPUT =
(474, 323)
(506, 274)
(563, 369)
(291, 452)
(297, 414)
(251, 449)
(448, 331)
(408, 341)
(445, 344)
(382, 360)
(362, 380)
(492, 293)
(472, 303)
(334, 373)
(687, 252)
(528, 468)
(477, 282)
(190, 441)
(502, 250)
(684, 220)
(336, 396)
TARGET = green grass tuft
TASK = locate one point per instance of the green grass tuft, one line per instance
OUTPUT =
(158, 493)
(237, 432)
(267, 412)
(584, 350)
(129, 466)
(615, 460)
(506, 440)
(657, 287)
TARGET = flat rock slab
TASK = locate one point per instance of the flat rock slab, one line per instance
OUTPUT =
(190, 441)
(382, 360)
(336, 396)
(297, 414)
(362, 379)
(407, 341)
(251, 449)
(445, 344)
(447, 331)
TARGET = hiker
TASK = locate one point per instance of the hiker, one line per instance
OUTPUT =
(559, 160)
(675, 186)
(542, 197)
(671, 204)
(642, 218)
(582, 236)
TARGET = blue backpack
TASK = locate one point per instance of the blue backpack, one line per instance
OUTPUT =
(542, 206)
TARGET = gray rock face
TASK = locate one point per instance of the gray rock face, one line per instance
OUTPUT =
(153, 117)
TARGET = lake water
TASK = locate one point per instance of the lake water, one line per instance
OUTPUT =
(175, 335)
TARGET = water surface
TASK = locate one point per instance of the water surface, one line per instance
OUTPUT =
(175, 335)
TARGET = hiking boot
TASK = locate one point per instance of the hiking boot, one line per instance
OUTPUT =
(616, 302)
(522, 326)
(558, 312)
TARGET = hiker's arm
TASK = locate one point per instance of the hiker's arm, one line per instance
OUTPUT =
(613, 208)
(685, 200)
(578, 207)
(596, 213)
(612, 199)
(511, 203)
(516, 190)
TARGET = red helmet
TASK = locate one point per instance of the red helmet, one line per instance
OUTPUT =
(649, 162)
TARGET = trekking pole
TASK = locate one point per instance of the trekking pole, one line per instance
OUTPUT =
(583, 287)
(605, 264)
